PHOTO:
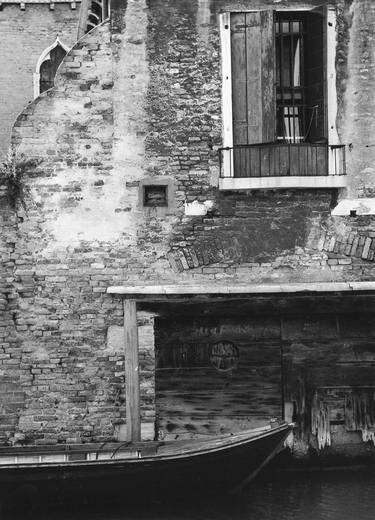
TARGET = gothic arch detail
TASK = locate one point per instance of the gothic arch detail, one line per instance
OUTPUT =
(47, 66)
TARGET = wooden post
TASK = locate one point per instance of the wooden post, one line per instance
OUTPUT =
(83, 16)
(133, 418)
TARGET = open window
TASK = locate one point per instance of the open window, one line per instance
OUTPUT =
(301, 104)
(279, 99)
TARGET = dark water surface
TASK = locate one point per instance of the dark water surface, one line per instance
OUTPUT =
(332, 495)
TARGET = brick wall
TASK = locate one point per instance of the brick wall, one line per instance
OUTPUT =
(24, 35)
(12, 397)
(145, 101)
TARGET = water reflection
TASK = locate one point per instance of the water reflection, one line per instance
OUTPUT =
(339, 495)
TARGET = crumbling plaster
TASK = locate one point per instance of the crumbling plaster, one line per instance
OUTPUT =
(142, 98)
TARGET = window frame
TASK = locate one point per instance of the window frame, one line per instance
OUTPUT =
(42, 58)
(227, 116)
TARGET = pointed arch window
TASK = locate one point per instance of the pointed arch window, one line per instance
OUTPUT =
(48, 63)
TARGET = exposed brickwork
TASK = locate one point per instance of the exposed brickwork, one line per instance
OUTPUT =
(11, 391)
(140, 101)
(73, 381)
(24, 35)
(241, 229)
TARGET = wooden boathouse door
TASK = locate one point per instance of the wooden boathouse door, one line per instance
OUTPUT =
(216, 374)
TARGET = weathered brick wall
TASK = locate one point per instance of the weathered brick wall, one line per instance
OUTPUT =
(24, 35)
(145, 100)
(66, 254)
(280, 235)
(11, 392)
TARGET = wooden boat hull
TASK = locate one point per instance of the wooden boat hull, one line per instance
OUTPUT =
(206, 467)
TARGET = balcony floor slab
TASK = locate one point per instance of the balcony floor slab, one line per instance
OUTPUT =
(264, 183)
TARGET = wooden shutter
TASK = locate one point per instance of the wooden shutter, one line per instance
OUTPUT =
(253, 72)
(315, 73)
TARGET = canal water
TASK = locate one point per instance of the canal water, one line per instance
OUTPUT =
(329, 495)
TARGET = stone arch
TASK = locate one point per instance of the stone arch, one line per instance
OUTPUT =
(47, 65)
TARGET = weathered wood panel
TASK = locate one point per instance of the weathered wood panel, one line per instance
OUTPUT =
(133, 419)
(329, 364)
(253, 91)
(268, 90)
(358, 325)
(217, 374)
(239, 78)
(315, 78)
(253, 53)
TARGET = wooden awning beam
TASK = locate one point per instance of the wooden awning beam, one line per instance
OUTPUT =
(142, 292)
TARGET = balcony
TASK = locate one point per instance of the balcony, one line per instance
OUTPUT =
(282, 165)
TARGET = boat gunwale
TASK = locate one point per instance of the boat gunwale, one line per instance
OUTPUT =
(244, 439)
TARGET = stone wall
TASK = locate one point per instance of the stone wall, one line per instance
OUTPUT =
(66, 254)
(137, 101)
(24, 35)
(12, 396)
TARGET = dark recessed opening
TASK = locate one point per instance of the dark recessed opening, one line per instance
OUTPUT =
(155, 196)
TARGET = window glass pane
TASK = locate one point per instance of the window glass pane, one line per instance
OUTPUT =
(289, 95)
(296, 27)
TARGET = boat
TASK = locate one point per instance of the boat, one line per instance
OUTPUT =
(128, 469)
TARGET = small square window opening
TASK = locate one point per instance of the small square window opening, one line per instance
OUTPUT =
(155, 196)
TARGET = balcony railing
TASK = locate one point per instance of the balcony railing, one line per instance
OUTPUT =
(282, 160)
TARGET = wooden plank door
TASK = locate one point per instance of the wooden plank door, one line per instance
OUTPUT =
(216, 375)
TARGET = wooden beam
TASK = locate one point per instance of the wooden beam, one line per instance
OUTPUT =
(133, 419)
(232, 289)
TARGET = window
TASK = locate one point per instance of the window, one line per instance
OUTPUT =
(49, 67)
(300, 82)
(155, 196)
(278, 76)
(48, 63)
